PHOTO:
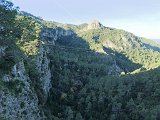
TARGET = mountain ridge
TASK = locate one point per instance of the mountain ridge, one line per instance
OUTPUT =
(157, 41)
(55, 71)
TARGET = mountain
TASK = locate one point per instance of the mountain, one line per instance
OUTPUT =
(55, 71)
(117, 40)
(157, 40)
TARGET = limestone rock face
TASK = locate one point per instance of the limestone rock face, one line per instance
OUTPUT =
(115, 70)
(1, 28)
(42, 63)
(50, 35)
(2, 49)
(18, 100)
(23, 106)
(94, 24)
(17, 73)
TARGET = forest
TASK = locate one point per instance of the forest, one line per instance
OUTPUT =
(97, 73)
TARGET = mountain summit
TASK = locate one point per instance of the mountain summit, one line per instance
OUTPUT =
(95, 24)
(55, 71)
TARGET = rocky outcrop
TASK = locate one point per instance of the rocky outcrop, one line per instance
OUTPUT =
(1, 28)
(2, 51)
(50, 35)
(17, 97)
(23, 106)
(42, 63)
(115, 69)
(94, 24)
(17, 73)
(24, 103)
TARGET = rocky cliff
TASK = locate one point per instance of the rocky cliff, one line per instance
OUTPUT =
(59, 71)
(18, 97)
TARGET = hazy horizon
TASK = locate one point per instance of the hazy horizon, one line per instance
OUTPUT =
(139, 17)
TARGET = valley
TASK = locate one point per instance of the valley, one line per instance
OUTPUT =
(55, 71)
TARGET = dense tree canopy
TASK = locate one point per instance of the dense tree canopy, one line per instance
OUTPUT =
(97, 74)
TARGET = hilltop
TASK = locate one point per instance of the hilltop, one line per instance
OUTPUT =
(55, 71)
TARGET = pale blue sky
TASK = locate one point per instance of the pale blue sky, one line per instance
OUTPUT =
(141, 17)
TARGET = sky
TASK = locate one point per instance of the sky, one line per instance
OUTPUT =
(141, 17)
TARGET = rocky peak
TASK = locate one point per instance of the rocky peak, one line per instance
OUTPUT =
(95, 24)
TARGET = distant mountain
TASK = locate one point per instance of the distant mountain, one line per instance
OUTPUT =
(156, 40)
(99, 37)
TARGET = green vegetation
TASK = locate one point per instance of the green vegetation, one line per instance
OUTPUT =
(18, 34)
(80, 83)
(130, 45)
(81, 86)
(14, 87)
(7, 26)
(29, 40)
(8, 35)
(2, 118)
(97, 74)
